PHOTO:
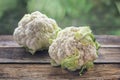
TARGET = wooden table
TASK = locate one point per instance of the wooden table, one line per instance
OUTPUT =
(17, 64)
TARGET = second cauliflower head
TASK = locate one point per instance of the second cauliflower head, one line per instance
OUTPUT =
(34, 31)
(74, 48)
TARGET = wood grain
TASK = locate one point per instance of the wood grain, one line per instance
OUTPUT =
(18, 64)
(19, 55)
(47, 72)
(110, 40)
(11, 52)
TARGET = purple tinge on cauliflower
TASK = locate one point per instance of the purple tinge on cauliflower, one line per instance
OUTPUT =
(74, 48)
(34, 31)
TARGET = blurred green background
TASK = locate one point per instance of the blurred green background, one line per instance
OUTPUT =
(102, 15)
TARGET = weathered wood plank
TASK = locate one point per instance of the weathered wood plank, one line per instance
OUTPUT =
(19, 55)
(109, 40)
(47, 72)
(11, 52)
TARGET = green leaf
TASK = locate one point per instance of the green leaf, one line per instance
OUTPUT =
(71, 62)
(53, 63)
(82, 70)
(87, 66)
(78, 36)
(50, 41)
(97, 45)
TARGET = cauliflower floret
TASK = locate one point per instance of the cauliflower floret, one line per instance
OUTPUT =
(34, 31)
(74, 48)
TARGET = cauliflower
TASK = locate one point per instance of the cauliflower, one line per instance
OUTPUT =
(34, 31)
(74, 48)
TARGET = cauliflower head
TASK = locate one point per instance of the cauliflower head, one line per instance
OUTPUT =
(34, 31)
(74, 48)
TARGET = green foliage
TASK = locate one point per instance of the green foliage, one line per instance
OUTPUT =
(11, 17)
(118, 6)
(58, 9)
(115, 32)
(4, 5)
(74, 8)
(100, 14)
(52, 8)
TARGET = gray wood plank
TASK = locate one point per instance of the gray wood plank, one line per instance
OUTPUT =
(11, 52)
(47, 72)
